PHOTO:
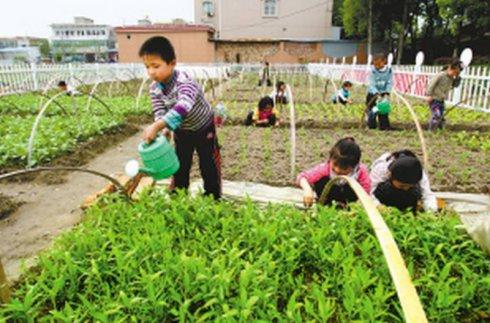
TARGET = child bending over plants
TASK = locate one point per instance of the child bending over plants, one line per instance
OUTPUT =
(264, 115)
(438, 90)
(179, 106)
(280, 95)
(399, 180)
(343, 95)
(344, 159)
(63, 87)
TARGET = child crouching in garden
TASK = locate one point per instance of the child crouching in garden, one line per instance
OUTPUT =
(264, 115)
(344, 159)
(399, 180)
(342, 96)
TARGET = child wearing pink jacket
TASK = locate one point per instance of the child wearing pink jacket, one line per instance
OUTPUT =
(344, 159)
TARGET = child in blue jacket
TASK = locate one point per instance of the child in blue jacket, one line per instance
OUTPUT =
(342, 96)
(380, 85)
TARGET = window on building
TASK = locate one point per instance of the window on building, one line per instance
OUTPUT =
(128, 36)
(89, 33)
(270, 8)
(67, 33)
(103, 32)
(83, 33)
(208, 8)
(72, 32)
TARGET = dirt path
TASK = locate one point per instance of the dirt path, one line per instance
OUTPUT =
(51, 209)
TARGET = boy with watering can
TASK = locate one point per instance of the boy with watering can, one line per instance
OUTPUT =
(179, 106)
(377, 100)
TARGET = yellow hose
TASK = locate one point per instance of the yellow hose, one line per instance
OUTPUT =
(419, 129)
(4, 287)
(407, 294)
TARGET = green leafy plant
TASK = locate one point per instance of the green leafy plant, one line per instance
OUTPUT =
(181, 258)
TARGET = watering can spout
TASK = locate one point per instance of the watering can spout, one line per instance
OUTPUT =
(159, 160)
(146, 171)
(133, 168)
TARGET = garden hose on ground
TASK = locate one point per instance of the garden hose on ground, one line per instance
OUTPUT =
(114, 181)
(407, 294)
(4, 287)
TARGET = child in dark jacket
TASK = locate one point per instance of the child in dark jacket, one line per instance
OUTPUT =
(438, 90)
(344, 159)
(380, 86)
(399, 180)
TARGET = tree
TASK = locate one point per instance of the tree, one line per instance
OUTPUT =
(337, 13)
(354, 17)
(464, 17)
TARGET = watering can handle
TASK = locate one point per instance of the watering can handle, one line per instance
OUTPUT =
(146, 144)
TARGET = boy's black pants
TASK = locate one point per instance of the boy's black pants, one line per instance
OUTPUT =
(384, 121)
(206, 144)
(388, 195)
(341, 193)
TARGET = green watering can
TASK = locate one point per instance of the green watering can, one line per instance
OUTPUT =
(159, 160)
(383, 106)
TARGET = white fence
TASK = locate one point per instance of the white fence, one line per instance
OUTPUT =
(473, 93)
(27, 78)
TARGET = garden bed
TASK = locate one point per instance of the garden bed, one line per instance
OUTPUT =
(191, 259)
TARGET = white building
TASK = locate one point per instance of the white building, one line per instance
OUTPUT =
(83, 41)
(16, 55)
(268, 19)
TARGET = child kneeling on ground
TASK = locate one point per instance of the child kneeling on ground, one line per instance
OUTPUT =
(342, 95)
(399, 180)
(264, 115)
(344, 159)
(179, 106)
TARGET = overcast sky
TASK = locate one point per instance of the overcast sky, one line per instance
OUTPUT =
(33, 17)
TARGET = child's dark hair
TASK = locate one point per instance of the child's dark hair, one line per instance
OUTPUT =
(265, 102)
(347, 84)
(406, 169)
(62, 83)
(456, 64)
(346, 153)
(402, 153)
(279, 84)
(160, 46)
(380, 56)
